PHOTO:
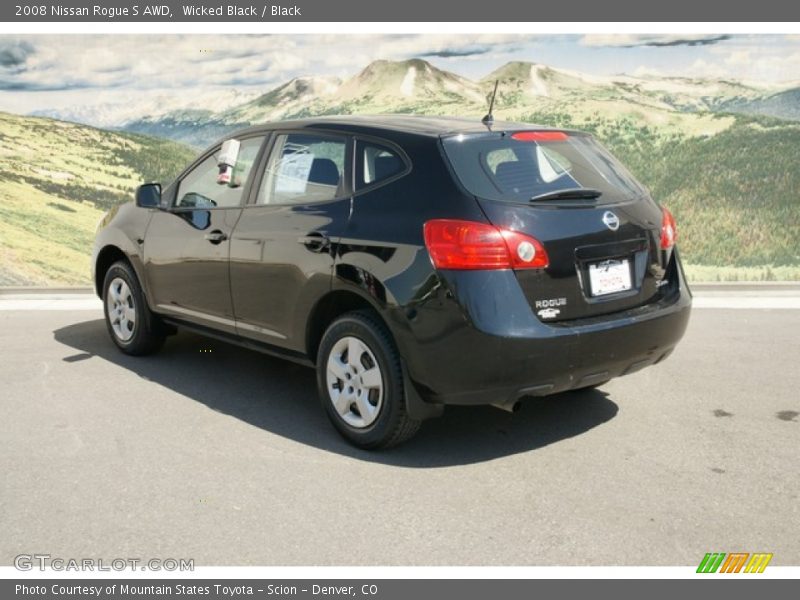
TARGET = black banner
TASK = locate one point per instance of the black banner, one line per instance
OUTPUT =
(172, 11)
(395, 589)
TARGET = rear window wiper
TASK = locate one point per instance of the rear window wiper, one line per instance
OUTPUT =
(568, 194)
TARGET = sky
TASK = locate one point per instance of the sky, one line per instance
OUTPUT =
(103, 73)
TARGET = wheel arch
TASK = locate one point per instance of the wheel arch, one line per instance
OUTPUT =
(330, 307)
(107, 256)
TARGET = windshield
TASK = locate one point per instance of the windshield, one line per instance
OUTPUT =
(529, 164)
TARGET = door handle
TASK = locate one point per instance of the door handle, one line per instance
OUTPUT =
(216, 236)
(316, 242)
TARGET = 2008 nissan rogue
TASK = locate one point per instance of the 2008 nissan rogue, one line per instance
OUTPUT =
(414, 261)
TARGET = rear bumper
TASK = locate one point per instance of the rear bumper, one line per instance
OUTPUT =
(467, 352)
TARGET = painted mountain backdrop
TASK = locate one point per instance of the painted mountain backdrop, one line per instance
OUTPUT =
(687, 106)
(724, 156)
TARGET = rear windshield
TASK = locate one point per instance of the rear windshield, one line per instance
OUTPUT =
(497, 166)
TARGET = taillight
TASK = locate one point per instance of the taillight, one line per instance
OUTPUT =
(539, 136)
(467, 245)
(669, 231)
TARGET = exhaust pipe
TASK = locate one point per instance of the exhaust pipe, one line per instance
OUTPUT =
(511, 405)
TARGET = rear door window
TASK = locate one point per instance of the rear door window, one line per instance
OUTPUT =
(303, 169)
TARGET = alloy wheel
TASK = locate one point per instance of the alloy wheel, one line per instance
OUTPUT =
(121, 309)
(355, 382)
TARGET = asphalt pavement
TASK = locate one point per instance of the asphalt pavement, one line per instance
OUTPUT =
(223, 455)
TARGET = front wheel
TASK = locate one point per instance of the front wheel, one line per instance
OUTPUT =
(360, 381)
(132, 326)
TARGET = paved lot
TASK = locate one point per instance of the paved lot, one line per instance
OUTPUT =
(214, 453)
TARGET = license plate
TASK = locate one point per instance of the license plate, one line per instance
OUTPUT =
(609, 277)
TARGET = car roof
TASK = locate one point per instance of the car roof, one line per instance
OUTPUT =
(431, 126)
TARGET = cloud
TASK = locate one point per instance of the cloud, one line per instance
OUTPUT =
(456, 52)
(699, 41)
(142, 62)
(178, 62)
(758, 68)
(14, 54)
(445, 46)
(652, 41)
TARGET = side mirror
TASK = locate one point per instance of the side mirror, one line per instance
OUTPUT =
(148, 195)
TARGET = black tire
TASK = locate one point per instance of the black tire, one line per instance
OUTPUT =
(146, 331)
(392, 425)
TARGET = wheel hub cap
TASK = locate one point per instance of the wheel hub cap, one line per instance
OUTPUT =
(121, 309)
(355, 382)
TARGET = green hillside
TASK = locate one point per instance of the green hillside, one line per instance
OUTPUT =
(56, 181)
(735, 193)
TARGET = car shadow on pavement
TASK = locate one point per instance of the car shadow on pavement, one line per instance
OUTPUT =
(281, 398)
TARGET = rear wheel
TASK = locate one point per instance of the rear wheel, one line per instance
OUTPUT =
(360, 381)
(132, 326)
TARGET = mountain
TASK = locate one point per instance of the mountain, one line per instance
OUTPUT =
(56, 181)
(196, 128)
(687, 94)
(403, 86)
(782, 105)
(526, 83)
(417, 86)
(677, 103)
(116, 114)
(410, 86)
(294, 97)
(199, 127)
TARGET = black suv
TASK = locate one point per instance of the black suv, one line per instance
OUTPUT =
(415, 261)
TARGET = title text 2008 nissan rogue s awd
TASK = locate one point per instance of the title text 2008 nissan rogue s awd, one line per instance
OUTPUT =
(415, 261)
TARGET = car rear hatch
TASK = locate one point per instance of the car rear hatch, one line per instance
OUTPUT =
(598, 226)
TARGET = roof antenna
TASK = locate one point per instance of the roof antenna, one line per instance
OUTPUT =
(489, 118)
